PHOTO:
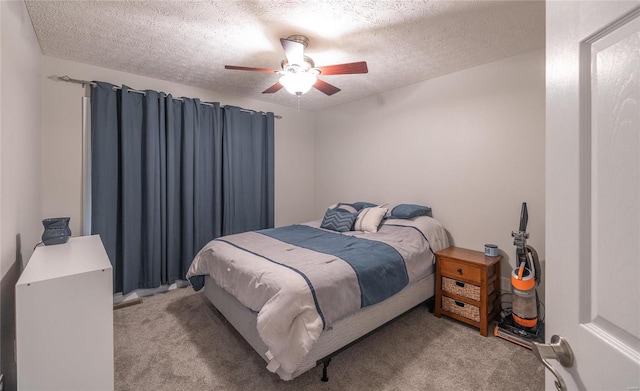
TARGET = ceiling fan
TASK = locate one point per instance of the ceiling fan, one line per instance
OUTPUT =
(299, 72)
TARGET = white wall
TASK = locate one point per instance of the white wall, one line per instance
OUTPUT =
(62, 146)
(469, 144)
(20, 161)
(20, 136)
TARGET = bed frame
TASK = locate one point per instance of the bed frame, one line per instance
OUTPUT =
(335, 339)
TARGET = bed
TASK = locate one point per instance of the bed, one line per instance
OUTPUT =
(299, 294)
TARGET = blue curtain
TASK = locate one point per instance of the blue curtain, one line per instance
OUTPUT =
(159, 172)
(247, 148)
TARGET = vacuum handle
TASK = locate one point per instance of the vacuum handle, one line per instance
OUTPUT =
(524, 217)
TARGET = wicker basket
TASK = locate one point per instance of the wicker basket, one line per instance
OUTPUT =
(464, 289)
(463, 309)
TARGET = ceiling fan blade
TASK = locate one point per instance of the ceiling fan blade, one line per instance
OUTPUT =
(294, 51)
(325, 87)
(250, 69)
(274, 88)
(344, 69)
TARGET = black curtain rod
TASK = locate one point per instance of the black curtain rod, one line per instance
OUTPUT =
(67, 79)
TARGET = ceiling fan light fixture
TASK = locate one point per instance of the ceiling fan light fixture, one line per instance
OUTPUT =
(299, 73)
(298, 83)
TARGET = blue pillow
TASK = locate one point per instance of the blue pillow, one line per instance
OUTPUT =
(338, 220)
(361, 205)
(358, 206)
(407, 211)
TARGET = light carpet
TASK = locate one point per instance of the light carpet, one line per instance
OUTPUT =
(178, 341)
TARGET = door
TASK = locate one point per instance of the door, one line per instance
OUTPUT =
(593, 191)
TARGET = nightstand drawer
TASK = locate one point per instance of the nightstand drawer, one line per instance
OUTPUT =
(460, 288)
(466, 310)
(461, 270)
(464, 289)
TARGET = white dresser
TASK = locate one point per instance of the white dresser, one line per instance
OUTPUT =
(64, 318)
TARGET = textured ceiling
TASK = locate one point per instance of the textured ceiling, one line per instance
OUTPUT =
(189, 42)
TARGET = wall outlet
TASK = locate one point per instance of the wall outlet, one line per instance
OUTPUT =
(505, 284)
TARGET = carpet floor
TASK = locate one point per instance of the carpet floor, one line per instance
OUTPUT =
(178, 341)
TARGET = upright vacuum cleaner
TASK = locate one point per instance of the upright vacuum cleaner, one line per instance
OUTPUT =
(522, 325)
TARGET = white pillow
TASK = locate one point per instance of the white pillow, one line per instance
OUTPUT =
(369, 219)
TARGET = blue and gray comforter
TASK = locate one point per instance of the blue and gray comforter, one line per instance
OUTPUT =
(300, 278)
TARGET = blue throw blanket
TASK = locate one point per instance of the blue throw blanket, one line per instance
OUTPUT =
(380, 268)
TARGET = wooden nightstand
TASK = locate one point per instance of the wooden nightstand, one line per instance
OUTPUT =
(467, 286)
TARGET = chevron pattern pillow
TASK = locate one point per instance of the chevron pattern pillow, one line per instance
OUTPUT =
(338, 220)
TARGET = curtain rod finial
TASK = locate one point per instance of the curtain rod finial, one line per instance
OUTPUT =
(70, 80)
(60, 78)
